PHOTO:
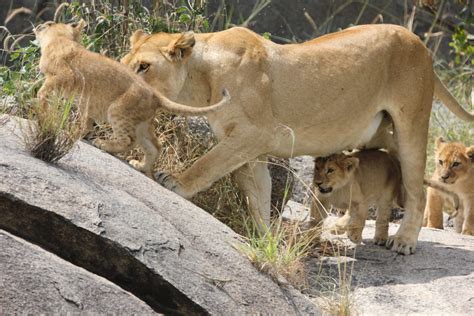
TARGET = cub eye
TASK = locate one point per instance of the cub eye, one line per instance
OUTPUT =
(329, 171)
(456, 164)
(143, 67)
(440, 162)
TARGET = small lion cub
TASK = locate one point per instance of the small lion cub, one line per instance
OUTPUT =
(355, 182)
(454, 173)
(105, 90)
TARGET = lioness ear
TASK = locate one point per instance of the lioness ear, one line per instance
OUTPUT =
(136, 36)
(182, 47)
(439, 142)
(470, 153)
(351, 163)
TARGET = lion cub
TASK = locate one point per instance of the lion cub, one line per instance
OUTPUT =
(356, 182)
(105, 90)
(455, 173)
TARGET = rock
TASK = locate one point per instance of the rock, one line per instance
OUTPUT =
(304, 170)
(282, 181)
(35, 281)
(98, 213)
(437, 279)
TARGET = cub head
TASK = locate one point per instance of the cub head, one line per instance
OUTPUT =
(333, 172)
(160, 59)
(49, 31)
(453, 160)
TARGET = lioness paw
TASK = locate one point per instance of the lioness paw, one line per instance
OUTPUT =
(166, 180)
(401, 244)
(468, 232)
(380, 241)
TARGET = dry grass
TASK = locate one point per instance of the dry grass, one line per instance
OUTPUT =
(49, 135)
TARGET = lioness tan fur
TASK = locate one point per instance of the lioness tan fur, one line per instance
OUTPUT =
(355, 183)
(455, 173)
(106, 91)
(315, 98)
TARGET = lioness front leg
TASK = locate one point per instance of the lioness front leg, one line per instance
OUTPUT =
(255, 182)
(229, 154)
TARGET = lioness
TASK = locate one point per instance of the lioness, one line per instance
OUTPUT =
(316, 98)
(105, 90)
(355, 183)
(455, 172)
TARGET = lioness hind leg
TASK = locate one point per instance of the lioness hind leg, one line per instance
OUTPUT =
(255, 182)
(411, 135)
(384, 211)
(433, 215)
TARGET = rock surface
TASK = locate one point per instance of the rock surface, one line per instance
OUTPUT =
(33, 280)
(437, 280)
(98, 213)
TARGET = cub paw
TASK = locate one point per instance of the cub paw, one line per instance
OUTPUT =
(401, 244)
(99, 143)
(137, 164)
(466, 231)
(355, 235)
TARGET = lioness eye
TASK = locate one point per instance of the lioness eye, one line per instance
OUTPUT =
(329, 171)
(440, 162)
(456, 164)
(143, 67)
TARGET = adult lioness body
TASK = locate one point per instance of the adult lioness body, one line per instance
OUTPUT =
(315, 98)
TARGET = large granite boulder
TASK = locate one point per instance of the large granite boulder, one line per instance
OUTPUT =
(34, 280)
(98, 213)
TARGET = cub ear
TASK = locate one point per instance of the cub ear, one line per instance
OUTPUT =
(351, 163)
(439, 142)
(182, 47)
(136, 36)
(77, 28)
(470, 153)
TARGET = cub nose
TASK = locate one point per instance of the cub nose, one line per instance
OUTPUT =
(445, 176)
(318, 183)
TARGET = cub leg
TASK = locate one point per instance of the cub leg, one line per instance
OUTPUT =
(468, 223)
(341, 225)
(384, 210)
(254, 180)
(357, 215)
(433, 216)
(124, 133)
(319, 209)
(150, 146)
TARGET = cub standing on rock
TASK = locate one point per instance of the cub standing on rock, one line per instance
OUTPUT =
(356, 182)
(454, 172)
(105, 90)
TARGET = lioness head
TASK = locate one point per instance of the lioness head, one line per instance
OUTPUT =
(333, 172)
(160, 59)
(453, 160)
(50, 30)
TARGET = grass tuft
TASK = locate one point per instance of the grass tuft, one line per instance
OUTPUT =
(280, 252)
(50, 134)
